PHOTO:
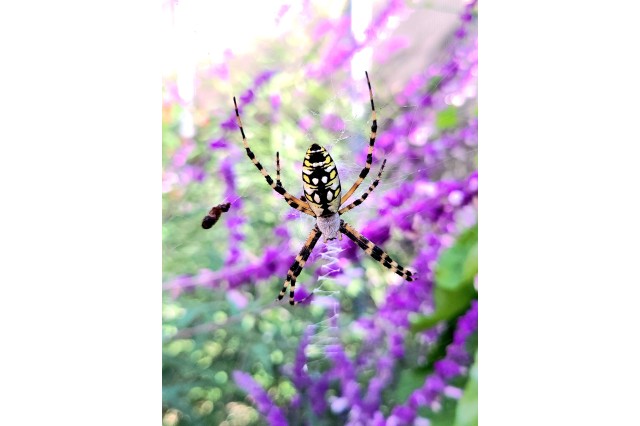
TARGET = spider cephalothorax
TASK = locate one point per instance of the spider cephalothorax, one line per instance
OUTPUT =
(322, 193)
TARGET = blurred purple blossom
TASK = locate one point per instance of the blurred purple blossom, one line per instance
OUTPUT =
(305, 123)
(275, 102)
(283, 11)
(266, 406)
(390, 47)
(455, 363)
(333, 122)
(247, 97)
(220, 143)
(234, 219)
(230, 123)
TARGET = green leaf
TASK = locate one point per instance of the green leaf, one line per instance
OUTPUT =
(470, 266)
(447, 118)
(409, 381)
(444, 416)
(459, 263)
(454, 274)
(449, 304)
(439, 350)
(467, 411)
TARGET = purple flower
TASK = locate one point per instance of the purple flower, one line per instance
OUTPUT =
(219, 143)
(237, 298)
(447, 368)
(302, 296)
(247, 97)
(384, 374)
(452, 365)
(391, 47)
(401, 415)
(305, 123)
(265, 405)
(300, 377)
(461, 32)
(317, 392)
(263, 78)
(333, 122)
(283, 10)
(230, 123)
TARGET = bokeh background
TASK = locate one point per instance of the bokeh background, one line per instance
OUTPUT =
(364, 347)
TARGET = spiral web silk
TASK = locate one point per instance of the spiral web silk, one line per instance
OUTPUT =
(325, 334)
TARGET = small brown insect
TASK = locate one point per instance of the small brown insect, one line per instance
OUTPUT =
(214, 214)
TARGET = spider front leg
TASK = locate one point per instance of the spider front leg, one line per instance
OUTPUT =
(374, 251)
(372, 140)
(364, 196)
(298, 264)
(294, 202)
(278, 182)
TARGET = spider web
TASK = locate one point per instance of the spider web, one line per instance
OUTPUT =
(323, 276)
(326, 284)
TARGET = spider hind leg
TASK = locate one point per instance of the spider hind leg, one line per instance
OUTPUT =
(374, 251)
(298, 264)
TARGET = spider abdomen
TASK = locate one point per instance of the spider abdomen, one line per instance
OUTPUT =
(329, 226)
(320, 181)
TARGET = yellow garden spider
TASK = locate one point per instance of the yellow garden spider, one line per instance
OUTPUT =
(322, 194)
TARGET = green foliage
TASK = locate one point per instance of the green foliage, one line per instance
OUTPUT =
(467, 411)
(454, 277)
(459, 264)
(445, 416)
(408, 381)
(447, 118)
(197, 363)
(434, 83)
(412, 378)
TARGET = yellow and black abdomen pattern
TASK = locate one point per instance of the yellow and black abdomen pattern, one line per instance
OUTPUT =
(320, 181)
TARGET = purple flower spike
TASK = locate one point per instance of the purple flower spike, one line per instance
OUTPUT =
(266, 406)
(219, 143)
(300, 377)
(447, 369)
(263, 78)
(247, 97)
(230, 123)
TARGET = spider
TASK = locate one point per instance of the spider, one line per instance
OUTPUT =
(322, 200)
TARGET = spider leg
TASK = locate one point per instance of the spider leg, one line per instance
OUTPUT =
(294, 202)
(372, 140)
(298, 264)
(278, 182)
(364, 196)
(374, 251)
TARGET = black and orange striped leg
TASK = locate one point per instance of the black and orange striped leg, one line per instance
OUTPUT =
(364, 196)
(298, 264)
(374, 251)
(372, 140)
(278, 182)
(294, 202)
